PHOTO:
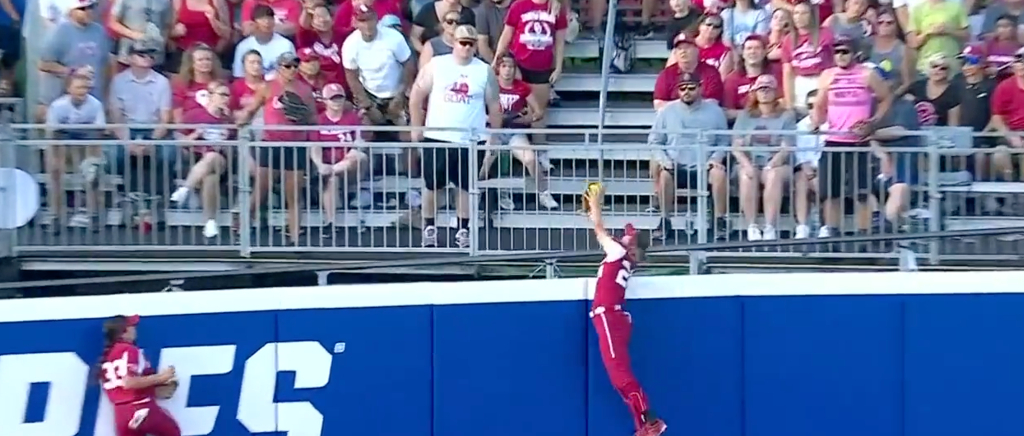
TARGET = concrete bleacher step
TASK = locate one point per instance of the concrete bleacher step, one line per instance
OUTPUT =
(978, 223)
(589, 48)
(587, 82)
(987, 188)
(619, 114)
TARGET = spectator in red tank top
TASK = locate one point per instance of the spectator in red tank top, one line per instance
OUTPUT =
(286, 14)
(199, 66)
(710, 48)
(344, 17)
(534, 34)
(1008, 105)
(665, 87)
(317, 33)
(824, 7)
(738, 83)
(342, 163)
(208, 162)
(244, 89)
(310, 74)
(201, 22)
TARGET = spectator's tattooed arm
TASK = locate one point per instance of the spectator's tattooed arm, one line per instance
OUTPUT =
(418, 97)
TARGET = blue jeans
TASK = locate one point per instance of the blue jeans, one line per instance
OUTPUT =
(152, 173)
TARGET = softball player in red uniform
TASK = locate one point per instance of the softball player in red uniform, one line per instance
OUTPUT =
(612, 323)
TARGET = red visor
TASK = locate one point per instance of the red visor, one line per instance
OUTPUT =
(131, 320)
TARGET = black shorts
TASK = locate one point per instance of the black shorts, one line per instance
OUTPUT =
(281, 158)
(10, 43)
(687, 178)
(444, 165)
(848, 174)
(536, 77)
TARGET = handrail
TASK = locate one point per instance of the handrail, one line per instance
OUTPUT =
(606, 66)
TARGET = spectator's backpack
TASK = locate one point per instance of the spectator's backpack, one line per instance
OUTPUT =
(624, 52)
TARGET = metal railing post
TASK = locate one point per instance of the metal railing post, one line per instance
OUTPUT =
(606, 66)
(244, 192)
(934, 197)
(474, 193)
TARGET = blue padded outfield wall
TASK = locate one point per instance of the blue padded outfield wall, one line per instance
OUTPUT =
(883, 354)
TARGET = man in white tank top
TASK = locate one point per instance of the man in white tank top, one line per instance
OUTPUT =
(462, 93)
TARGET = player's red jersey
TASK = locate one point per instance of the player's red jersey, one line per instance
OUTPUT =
(612, 277)
(341, 130)
(122, 361)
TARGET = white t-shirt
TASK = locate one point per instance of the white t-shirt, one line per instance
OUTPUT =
(55, 12)
(457, 98)
(379, 61)
(277, 46)
(808, 147)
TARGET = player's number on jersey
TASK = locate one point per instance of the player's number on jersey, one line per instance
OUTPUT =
(624, 273)
(114, 372)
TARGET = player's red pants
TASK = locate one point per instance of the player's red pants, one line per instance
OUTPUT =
(614, 327)
(144, 419)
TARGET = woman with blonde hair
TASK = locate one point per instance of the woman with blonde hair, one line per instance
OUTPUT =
(534, 34)
(779, 28)
(200, 66)
(763, 173)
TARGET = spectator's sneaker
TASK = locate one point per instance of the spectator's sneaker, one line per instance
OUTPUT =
(462, 238)
(754, 233)
(802, 232)
(826, 232)
(654, 428)
(91, 168)
(721, 229)
(82, 220)
(645, 31)
(664, 230)
(547, 200)
(211, 229)
(180, 195)
(554, 100)
(544, 162)
(653, 208)
(769, 233)
(363, 200)
(505, 200)
(327, 230)
(430, 236)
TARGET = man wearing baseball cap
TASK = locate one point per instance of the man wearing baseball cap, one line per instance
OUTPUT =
(264, 39)
(676, 162)
(687, 61)
(1008, 105)
(975, 101)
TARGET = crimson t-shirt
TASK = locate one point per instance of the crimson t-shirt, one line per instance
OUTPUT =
(666, 86)
(241, 94)
(189, 96)
(203, 116)
(341, 130)
(533, 38)
(513, 98)
(713, 54)
(1008, 102)
(807, 60)
(330, 53)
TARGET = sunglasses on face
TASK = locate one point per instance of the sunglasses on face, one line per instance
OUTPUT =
(687, 88)
(939, 67)
(451, 22)
(842, 51)
(222, 93)
(466, 43)
(87, 8)
(713, 24)
(886, 22)
(290, 66)
(1018, 58)
(144, 54)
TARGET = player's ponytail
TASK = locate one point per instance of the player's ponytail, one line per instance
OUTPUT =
(113, 329)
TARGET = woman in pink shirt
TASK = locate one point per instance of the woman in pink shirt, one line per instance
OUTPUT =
(805, 54)
(534, 34)
(206, 22)
(1000, 47)
(338, 124)
(317, 33)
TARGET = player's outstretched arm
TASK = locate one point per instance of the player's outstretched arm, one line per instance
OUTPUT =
(594, 199)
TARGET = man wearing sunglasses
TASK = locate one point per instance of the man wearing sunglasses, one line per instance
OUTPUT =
(975, 106)
(1008, 107)
(673, 137)
(76, 43)
(848, 94)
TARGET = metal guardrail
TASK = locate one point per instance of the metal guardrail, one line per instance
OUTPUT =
(144, 198)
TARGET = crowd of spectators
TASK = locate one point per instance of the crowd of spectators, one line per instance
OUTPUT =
(803, 65)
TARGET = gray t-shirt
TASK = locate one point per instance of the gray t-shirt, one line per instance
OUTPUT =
(680, 127)
(490, 21)
(75, 46)
(746, 122)
(438, 45)
(891, 61)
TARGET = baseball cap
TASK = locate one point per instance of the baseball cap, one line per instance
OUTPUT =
(883, 69)
(390, 21)
(629, 238)
(131, 320)
(83, 4)
(842, 41)
(1019, 52)
(971, 55)
(143, 47)
(308, 54)
(332, 90)
(766, 81)
(688, 78)
(287, 57)
(465, 32)
(262, 11)
(364, 13)
(682, 38)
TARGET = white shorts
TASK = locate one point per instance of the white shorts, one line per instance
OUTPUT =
(802, 85)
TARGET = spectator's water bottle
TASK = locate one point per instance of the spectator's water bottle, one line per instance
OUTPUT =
(504, 164)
